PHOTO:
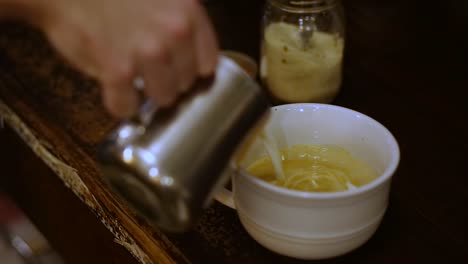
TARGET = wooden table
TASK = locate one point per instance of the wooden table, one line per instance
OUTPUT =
(405, 65)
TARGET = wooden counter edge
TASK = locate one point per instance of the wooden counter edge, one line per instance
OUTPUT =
(71, 179)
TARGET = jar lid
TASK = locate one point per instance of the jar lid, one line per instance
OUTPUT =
(306, 6)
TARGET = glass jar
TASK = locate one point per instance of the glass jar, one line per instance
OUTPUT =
(302, 50)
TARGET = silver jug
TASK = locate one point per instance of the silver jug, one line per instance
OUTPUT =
(168, 163)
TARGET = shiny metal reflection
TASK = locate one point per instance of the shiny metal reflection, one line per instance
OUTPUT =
(166, 163)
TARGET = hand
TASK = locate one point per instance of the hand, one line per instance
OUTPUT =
(166, 42)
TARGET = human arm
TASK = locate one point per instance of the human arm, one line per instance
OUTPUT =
(167, 42)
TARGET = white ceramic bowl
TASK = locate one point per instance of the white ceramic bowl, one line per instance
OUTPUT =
(316, 225)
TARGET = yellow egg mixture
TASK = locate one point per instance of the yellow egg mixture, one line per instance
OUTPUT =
(314, 168)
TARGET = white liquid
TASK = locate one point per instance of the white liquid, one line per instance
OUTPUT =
(275, 154)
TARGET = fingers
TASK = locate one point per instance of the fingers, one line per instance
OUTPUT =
(157, 70)
(181, 31)
(120, 99)
(206, 45)
(75, 48)
(119, 95)
(170, 52)
(169, 61)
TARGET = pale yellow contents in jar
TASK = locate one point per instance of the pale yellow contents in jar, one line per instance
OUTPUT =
(295, 74)
(315, 168)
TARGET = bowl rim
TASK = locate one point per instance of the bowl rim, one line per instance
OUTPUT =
(375, 184)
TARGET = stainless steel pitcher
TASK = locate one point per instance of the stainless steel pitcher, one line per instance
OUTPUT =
(168, 163)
